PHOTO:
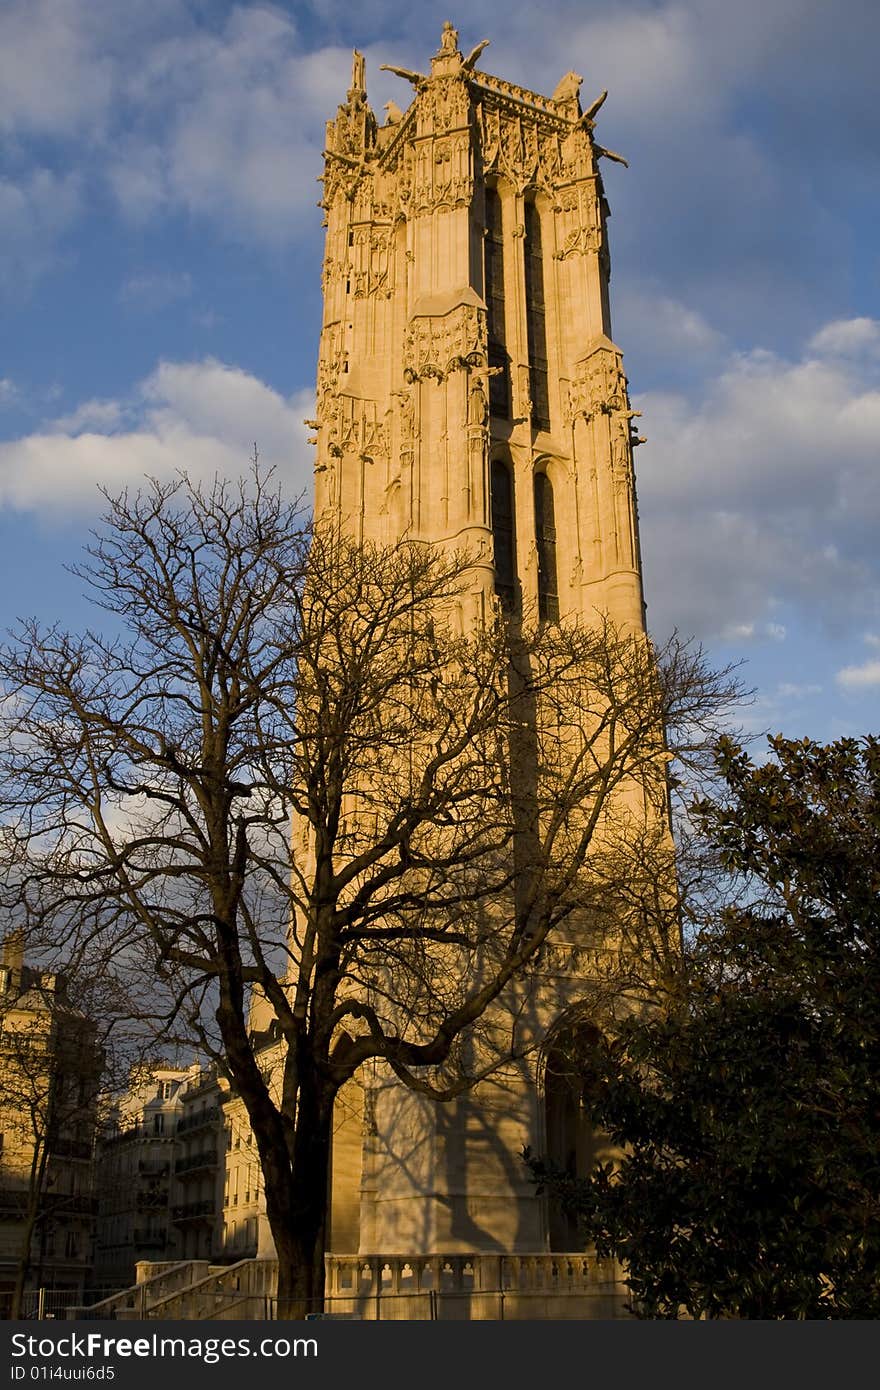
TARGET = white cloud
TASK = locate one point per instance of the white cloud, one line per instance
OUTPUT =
(764, 491)
(232, 125)
(847, 337)
(54, 79)
(860, 677)
(35, 211)
(91, 415)
(203, 417)
(156, 289)
(789, 690)
(866, 675)
(9, 393)
(753, 632)
(664, 327)
(222, 116)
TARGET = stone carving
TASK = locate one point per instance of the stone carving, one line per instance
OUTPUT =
(580, 227)
(521, 145)
(624, 485)
(602, 153)
(371, 258)
(568, 88)
(329, 415)
(469, 62)
(418, 79)
(478, 404)
(330, 358)
(621, 445)
(439, 175)
(449, 39)
(358, 75)
(577, 151)
(407, 427)
(490, 136)
(600, 386)
(444, 106)
(360, 429)
(549, 157)
(587, 120)
(514, 96)
(437, 346)
(523, 404)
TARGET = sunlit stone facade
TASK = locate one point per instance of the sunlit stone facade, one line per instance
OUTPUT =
(470, 396)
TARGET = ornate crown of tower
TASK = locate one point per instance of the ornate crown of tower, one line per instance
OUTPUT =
(469, 392)
(469, 395)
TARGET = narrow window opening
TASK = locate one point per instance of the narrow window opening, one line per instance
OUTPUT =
(545, 537)
(499, 385)
(536, 326)
(502, 533)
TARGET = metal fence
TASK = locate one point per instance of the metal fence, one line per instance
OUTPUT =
(39, 1305)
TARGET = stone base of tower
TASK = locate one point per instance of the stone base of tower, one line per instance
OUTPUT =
(449, 1178)
(433, 1214)
(474, 1288)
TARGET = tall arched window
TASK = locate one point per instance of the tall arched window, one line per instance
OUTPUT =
(570, 1141)
(499, 385)
(536, 327)
(545, 538)
(503, 533)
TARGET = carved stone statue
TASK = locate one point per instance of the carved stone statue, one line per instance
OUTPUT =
(568, 87)
(478, 405)
(449, 38)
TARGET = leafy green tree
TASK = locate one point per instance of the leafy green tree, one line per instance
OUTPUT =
(745, 1111)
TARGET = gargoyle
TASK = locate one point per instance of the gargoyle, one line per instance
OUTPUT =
(467, 65)
(587, 118)
(609, 154)
(416, 78)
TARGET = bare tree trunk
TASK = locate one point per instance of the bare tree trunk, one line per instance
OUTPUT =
(23, 1268)
(299, 1221)
(32, 1215)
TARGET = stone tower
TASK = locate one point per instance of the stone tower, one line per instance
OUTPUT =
(470, 395)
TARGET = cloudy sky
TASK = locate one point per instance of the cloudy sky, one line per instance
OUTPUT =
(160, 250)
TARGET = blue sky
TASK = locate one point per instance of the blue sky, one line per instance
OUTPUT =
(160, 250)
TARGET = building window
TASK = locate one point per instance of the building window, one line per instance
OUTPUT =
(545, 537)
(499, 384)
(503, 532)
(536, 326)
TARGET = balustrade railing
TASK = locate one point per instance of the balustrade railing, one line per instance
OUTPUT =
(418, 1288)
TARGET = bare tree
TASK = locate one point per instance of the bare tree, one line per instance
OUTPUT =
(460, 790)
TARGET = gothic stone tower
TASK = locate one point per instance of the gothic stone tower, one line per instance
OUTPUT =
(470, 395)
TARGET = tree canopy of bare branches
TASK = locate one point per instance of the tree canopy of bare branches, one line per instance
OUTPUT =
(296, 768)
